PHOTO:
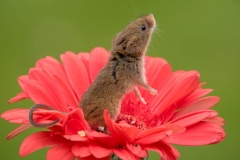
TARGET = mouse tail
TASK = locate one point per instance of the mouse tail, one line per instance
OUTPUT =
(40, 125)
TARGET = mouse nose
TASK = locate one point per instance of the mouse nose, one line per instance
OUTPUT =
(150, 20)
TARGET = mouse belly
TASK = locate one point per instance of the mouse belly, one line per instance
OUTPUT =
(93, 113)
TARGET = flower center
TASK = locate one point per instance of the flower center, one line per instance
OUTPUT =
(132, 121)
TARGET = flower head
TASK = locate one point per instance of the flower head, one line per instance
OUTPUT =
(180, 113)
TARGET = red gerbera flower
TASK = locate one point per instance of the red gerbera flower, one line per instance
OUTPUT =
(179, 114)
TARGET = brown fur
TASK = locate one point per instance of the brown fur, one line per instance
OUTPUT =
(124, 71)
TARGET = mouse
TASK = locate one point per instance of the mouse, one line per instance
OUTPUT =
(123, 73)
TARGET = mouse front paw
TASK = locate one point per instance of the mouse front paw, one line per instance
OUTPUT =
(153, 91)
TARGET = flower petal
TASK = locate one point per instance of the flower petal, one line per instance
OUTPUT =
(84, 57)
(52, 66)
(22, 80)
(201, 133)
(101, 139)
(43, 77)
(61, 152)
(76, 73)
(20, 96)
(129, 130)
(39, 93)
(204, 103)
(18, 115)
(55, 70)
(193, 117)
(72, 127)
(93, 158)
(153, 138)
(150, 131)
(66, 89)
(157, 70)
(37, 141)
(193, 97)
(166, 151)
(137, 150)
(216, 120)
(97, 60)
(99, 151)
(125, 154)
(17, 131)
(81, 150)
(75, 122)
(177, 87)
(114, 129)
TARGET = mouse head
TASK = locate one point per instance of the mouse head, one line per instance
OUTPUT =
(134, 39)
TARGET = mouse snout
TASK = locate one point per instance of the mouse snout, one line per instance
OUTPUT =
(150, 20)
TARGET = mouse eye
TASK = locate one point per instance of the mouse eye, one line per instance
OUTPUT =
(143, 27)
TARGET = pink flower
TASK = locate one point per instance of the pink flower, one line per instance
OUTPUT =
(179, 114)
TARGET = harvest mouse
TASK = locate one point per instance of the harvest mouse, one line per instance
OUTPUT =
(123, 73)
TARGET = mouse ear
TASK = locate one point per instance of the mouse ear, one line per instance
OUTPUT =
(115, 40)
(131, 47)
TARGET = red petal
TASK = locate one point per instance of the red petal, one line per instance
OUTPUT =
(18, 115)
(102, 138)
(19, 97)
(76, 122)
(137, 150)
(157, 70)
(201, 133)
(193, 97)
(37, 141)
(176, 129)
(22, 80)
(150, 131)
(125, 154)
(52, 66)
(72, 99)
(55, 70)
(39, 93)
(76, 72)
(97, 60)
(176, 88)
(17, 131)
(153, 138)
(93, 158)
(216, 120)
(81, 150)
(43, 77)
(99, 152)
(166, 151)
(193, 117)
(84, 57)
(72, 127)
(114, 130)
(204, 103)
(61, 152)
(129, 130)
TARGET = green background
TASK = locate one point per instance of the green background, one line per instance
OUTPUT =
(203, 35)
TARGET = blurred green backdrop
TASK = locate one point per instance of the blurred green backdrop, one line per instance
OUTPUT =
(202, 35)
